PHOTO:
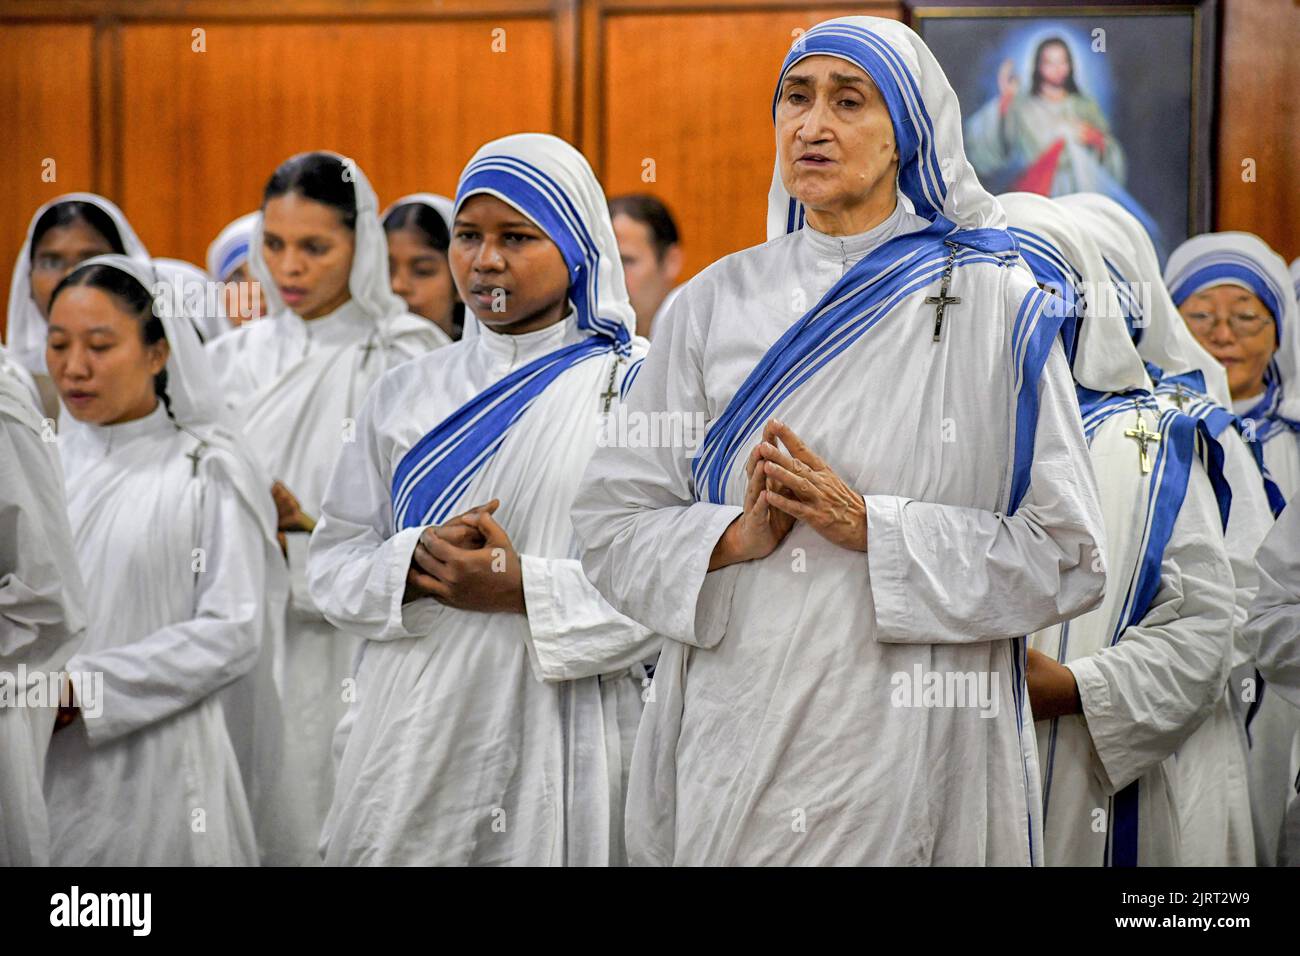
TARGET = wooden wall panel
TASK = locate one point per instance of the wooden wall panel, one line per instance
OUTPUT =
(1259, 119)
(697, 102)
(112, 91)
(45, 115)
(409, 101)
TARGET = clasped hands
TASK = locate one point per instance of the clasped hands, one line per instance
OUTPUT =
(468, 562)
(785, 487)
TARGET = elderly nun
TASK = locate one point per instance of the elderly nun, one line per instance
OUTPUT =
(892, 492)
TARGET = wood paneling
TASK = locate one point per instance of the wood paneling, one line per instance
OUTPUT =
(114, 93)
(1259, 119)
(697, 103)
(201, 132)
(46, 115)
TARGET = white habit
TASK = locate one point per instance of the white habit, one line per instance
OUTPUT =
(42, 617)
(296, 387)
(173, 533)
(792, 720)
(486, 738)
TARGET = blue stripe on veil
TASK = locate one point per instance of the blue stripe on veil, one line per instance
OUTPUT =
(431, 477)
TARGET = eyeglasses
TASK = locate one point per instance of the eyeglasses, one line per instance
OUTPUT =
(1243, 324)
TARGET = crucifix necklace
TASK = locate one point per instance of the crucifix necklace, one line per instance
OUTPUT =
(1142, 437)
(943, 299)
(611, 392)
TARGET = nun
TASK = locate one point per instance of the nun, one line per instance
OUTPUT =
(880, 376)
(295, 381)
(418, 228)
(497, 693)
(1118, 692)
(63, 233)
(174, 535)
(1236, 296)
(227, 262)
(42, 614)
(1215, 800)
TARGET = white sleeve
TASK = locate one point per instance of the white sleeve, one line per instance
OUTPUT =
(179, 665)
(572, 630)
(1274, 624)
(356, 569)
(943, 574)
(1144, 695)
(42, 601)
(646, 542)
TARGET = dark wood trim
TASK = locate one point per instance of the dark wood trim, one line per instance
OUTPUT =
(106, 108)
(593, 85)
(278, 12)
(869, 8)
(566, 103)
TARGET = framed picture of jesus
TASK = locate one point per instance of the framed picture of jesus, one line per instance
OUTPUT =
(1114, 98)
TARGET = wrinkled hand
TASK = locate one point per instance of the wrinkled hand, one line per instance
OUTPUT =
(759, 529)
(468, 563)
(809, 491)
(1053, 691)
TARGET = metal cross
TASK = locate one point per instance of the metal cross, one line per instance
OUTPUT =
(367, 348)
(1143, 437)
(611, 392)
(194, 458)
(1179, 397)
(943, 299)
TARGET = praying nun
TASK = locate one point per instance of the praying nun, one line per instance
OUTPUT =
(892, 492)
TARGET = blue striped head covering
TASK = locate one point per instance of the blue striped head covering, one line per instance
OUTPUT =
(934, 177)
(1245, 260)
(552, 184)
(1063, 257)
(1233, 258)
(229, 250)
(1130, 253)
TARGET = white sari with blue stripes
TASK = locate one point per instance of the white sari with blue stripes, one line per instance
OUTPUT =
(1214, 805)
(462, 713)
(1151, 661)
(489, 738)
(1273, 423)
(773, 736)
(1212, 775)
(773, 695)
